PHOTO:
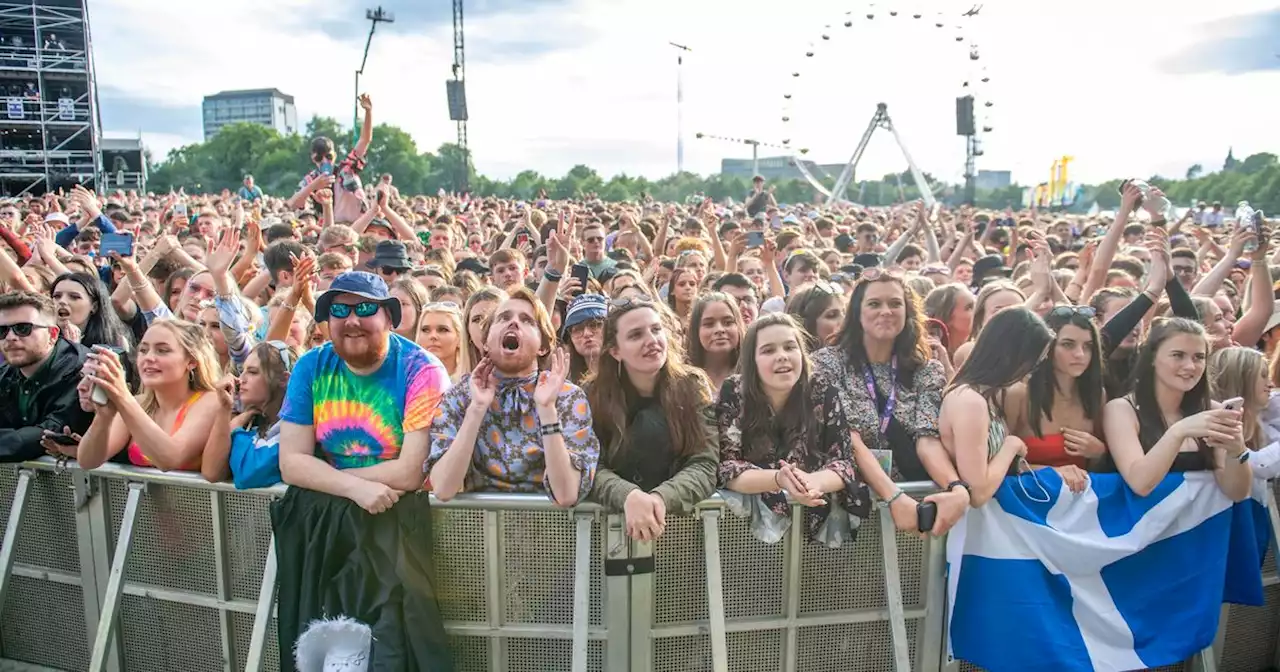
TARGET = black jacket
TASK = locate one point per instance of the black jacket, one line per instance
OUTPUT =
(56, 403)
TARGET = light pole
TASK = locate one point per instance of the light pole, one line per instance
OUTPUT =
(680, 105)
(375, 17)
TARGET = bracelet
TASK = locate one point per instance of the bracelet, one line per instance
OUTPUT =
(552, 276)
(776, 474)
(889, 502)
(288, 307)
(1244, 456)
(550, 429)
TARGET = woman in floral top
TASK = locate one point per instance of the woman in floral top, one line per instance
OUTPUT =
(883, 370)
(777, 439)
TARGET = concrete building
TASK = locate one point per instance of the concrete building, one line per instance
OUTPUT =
(268, 107)
(993, 179)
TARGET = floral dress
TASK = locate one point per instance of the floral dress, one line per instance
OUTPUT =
(824, 443)
(916, 409)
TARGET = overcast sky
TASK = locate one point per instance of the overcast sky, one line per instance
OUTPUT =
(1127, 87)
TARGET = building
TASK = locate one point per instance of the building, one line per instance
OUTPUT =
(778, 168)
(49, 127)
(993, 179)
(268, 107)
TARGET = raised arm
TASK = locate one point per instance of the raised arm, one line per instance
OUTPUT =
(366, 129)
(1110, 243)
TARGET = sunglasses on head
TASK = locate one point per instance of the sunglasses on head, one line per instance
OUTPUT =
(1068, 311)
(876, 272)
(935, 269)
(342, 311)
(632, 302)
(283, 348)
(443, 305)
(21, 329)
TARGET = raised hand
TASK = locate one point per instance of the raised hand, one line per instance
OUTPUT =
(304, 271)
(220, 258)
(484, 385)
(551, 382)
(108, 374)
(366, 103)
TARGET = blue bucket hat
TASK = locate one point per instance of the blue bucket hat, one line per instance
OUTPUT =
(584, 307)
(364, 285)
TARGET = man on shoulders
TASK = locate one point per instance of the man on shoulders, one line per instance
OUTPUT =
(38, 377)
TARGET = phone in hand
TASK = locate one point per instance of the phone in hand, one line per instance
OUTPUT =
(1257, 223)
(121, 243)
(926, 516)
(582, 272)
(63, 439)
(755, 239)
(1233, 404)
(522, 239)
(180, 209)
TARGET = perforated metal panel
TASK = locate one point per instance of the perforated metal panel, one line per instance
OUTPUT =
(470, 654)
(164, 636)
(538, 568)
(248, 526)
(855, 647)
(680, 572)
(851, 577)
(35, 611)
(545, 655)
(682, 654)
(172, 538)
(242, 632)
(460, 564)
(1251, 635)
(47, 536)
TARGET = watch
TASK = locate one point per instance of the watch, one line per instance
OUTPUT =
(960, 482)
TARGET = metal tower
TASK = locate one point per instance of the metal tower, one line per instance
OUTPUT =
(460, 78)
(879, 120)
(50, 129)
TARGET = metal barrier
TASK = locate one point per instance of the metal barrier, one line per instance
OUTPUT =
(131, 569)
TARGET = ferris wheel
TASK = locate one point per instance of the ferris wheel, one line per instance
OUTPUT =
(942, 25)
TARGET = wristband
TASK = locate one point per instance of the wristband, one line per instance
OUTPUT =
(960, 482)
(552, 276)
(550, 429)
(889, 502)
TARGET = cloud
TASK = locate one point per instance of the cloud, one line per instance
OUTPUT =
(1235, 46)
(554, 83)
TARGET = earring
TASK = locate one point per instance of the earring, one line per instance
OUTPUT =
(191, 377)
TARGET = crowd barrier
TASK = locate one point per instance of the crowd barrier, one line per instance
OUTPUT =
(131, 569)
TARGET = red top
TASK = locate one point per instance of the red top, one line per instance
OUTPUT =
(1051, 451)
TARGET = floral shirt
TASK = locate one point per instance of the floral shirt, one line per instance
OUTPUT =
(823, 444)
(508, 454)
(917, 407)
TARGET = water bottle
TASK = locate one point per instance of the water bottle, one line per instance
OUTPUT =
(1244, 220)
(1156, 205)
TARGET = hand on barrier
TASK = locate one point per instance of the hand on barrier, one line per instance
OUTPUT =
(646, 515)
(904, 513)
(375, 497)
(951, 508)
(1077, 479)
(797, 484)
(62, 444)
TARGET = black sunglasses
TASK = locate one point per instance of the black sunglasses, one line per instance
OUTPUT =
(342, 311)
(1068, 311)
(21, 329)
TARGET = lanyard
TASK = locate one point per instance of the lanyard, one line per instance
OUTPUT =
(891, 402)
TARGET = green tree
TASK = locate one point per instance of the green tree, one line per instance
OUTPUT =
(1194, 171)
(452, 170)
(1256, 163)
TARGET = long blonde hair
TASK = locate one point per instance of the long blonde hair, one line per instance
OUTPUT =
(198, 348)
(462, 360)
(1234, 372)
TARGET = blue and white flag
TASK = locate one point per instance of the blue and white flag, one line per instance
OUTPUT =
(1044, 579)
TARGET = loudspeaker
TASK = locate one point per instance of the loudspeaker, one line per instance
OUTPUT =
(457, 93)
(964, 115)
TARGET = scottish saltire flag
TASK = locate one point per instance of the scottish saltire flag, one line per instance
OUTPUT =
(1044, 579)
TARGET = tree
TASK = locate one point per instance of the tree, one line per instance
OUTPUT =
(452, 170)
(1255, 163)
(1194, 171)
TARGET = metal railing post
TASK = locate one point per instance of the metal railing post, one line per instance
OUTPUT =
(221, 579)
(10, 544)
(715, 589)
(893, 592)
(642, 608)
(115, 584)
(1274, 515)
(493, 556)
(617, 587)
(791, 580)
(581, 588)
(262, 614)
(929, 645)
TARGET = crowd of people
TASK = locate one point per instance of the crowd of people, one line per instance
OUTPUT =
(367, 347)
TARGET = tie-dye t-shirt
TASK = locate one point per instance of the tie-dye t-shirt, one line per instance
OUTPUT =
(362, 420)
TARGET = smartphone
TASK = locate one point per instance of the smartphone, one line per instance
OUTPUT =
(775, 222)
(121, 243)
(1233, 404)
(180, 209)
(522, 238)
(582, 272)
(99, 395)
(755, 238)
(63, 439)
(1257, 223)
(326, 168)
(926, 515)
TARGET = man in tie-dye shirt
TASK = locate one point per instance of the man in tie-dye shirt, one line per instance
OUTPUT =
(358, 409)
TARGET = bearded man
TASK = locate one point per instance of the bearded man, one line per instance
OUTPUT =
(353, 440)
(507, 427)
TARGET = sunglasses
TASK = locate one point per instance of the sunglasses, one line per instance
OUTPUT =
(935, 269)
(876, 272)
(342, 311)
(21, 329)
(632, 302)
(1068, 311)
(443, 305)
(283, 348)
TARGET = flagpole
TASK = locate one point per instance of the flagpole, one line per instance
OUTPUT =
(680, 105)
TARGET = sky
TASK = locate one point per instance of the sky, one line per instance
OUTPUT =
(1125, 87)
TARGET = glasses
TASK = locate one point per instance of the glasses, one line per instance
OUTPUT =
(1068, 311)
(283, 348)
(21, 329)
(935, 269)
(875, 273)
(1184, 270)
(631, 302)
(593, 239)
(443, 305)
(342, 311)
